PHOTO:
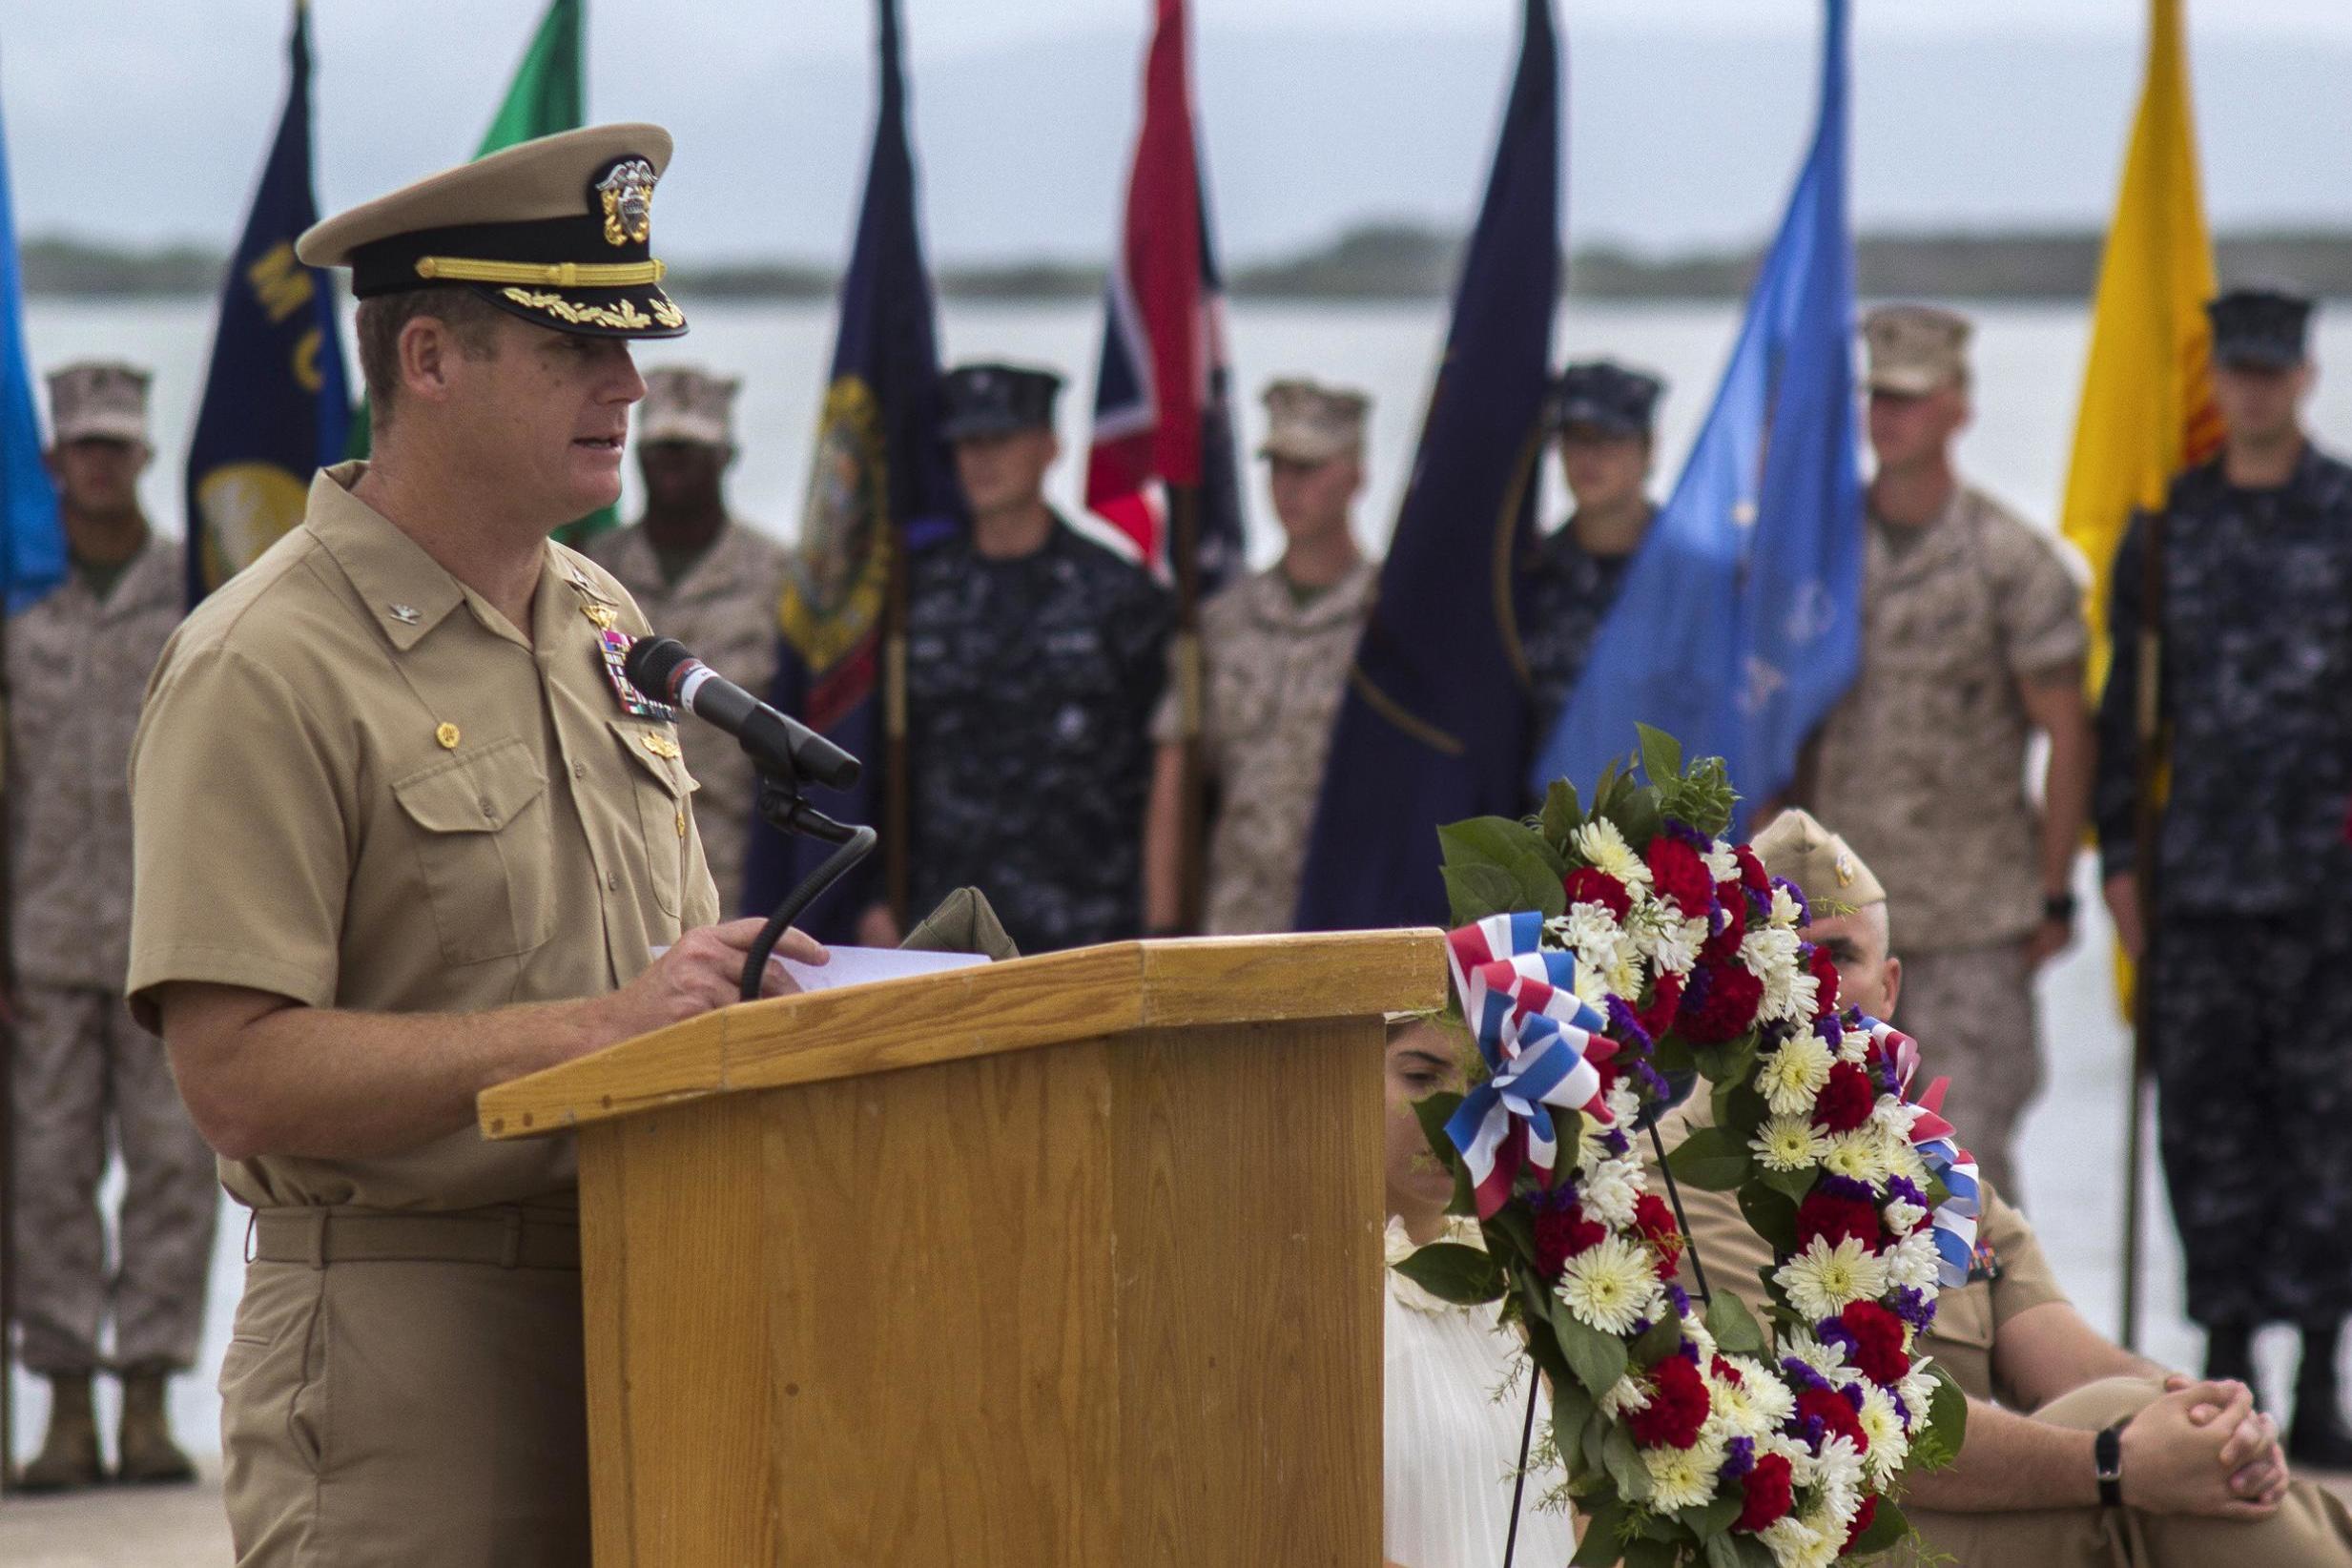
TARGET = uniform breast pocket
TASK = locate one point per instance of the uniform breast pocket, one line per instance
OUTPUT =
(665, 799)
(482, 843)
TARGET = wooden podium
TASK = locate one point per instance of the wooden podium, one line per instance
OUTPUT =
(1073, 1260)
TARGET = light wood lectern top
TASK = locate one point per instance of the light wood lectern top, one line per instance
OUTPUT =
(1072, 1260)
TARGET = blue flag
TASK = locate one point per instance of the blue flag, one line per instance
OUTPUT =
(275, 405)
(31, 538)
(1434, 723)
(1739, 624)
(879, 481)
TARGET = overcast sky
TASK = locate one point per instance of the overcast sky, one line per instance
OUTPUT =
(136, 121)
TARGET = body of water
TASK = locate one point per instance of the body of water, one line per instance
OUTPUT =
(2029, 367)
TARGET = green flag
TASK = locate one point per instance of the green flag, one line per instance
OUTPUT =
(549, 94)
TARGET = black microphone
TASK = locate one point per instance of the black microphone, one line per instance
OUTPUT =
(662, 668)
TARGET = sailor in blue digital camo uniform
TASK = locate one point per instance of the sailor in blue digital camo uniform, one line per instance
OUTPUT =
(1571, 576)
(1034, 659)
(2252, 952)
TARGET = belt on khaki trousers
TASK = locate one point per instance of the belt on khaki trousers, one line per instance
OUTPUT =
(507, 1237)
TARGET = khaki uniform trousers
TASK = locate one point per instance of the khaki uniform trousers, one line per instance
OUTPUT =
(1972, 1010)
(2309, 1531)
(88, 1082)
(388, 1412)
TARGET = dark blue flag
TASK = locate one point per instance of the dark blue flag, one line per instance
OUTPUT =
(879, 481)
(1739, 624)
(32, 555)
(1434, 723)
(275, 405)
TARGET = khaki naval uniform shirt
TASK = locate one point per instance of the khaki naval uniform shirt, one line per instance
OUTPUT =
(723, 609)
(1273, 674)
(78, 667)
(1921, 768)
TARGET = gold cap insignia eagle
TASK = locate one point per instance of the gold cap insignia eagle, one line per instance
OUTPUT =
(625, 193)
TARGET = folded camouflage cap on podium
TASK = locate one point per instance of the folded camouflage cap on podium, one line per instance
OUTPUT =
(965, 922)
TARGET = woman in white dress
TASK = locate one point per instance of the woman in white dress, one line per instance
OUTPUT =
(1454, 1393)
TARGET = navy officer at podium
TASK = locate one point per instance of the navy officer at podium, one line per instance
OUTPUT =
(403, 831)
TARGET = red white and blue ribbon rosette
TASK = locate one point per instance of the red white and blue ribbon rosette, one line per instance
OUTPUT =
(1938, 1145)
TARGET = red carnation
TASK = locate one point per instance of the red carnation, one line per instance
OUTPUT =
(1835, 1219)
(1846, 1101)
(1666, 998)
(1560, 1234)
(1656, 1223)
(1752, 874)
(1863, 1517)
(1725, 945)
(1725, 1372)
(1680, 877)
(1771, 1492)
(1824, 970)
(1587, 886)
(1878, 1342)
(1838, 1418)
(1728, 996)
(1678, 1406)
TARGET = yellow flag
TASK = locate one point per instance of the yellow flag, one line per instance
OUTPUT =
(2147, 398)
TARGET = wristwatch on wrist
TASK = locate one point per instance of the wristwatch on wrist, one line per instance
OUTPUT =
(2106, 1452)
(2058, 907)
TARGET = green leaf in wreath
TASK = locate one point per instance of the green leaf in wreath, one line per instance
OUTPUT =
(1715, 1518)
(1710, 1159)
(1636, 816)
(1562, 813)
(1465, 1275)
(1734, 1330)
(1674, 1056)
(1937, 1444)
(1474, 892)
(1888, 1526)
(1659, 1341)
(1792, 1184)
(1511, 1234)
(1434, 1112)
(1597, 1359)
(1596, 1431)
(1604, 1524)
(1661, 754)
(1571, 1408)
(1622, 1460)
(1643, 1553)
(1729, 1061)
(1771, 1214)
(1723, 1549)
(1529, 871)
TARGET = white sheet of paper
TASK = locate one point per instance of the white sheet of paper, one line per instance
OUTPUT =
(864, 965)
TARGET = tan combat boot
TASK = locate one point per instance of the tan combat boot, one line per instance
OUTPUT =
(69, 1456)
(144, 1452)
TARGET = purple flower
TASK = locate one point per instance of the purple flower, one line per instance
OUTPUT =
(1641, 1326)
(1681, 1298)
(1805, 910)
(1906, 1190)
(1900, 1408)
(1914, 1307)
(1616, 1143)
(1655, 1089)
(1551, 1201)
(1851, 1393)
(1802, 1375)
(1812, 1431)
(1625, 1026)
(1846, 1186)
(1739, 1458)
(1830, 1030)
(1831, 1331)
(1689, 835)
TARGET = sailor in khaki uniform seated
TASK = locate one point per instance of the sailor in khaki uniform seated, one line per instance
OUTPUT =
(2193, 1474)
(403, 831)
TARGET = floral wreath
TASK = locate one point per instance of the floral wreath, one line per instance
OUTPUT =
(1605, 961)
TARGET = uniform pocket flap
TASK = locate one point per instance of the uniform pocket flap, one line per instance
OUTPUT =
(654, 747)
(477, 793)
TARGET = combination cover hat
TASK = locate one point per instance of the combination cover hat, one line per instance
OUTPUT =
(556, 231)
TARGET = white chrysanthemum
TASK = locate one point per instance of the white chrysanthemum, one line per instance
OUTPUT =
(1883, 1423)
(1751, 1407)
(1599, 845)
(1894, 1116)
(1827, 1360)
(1913, 1261)
(1589, 929)
(1682, 1477)
(1789, 1142)
(1623, 1103)
(1797, 1544)
(1864, 1155)
(1837, 1469)
(1823, 1281)
(1791, 1078)
(1852, 1045)
(1723, 865)
(1610, 1190)
(1768, 952)
(1667, 941)
(1903, 1161)
(1626, 1394)
(1785, 910)
(1610, 1285)
(1918, 1391)
(1902, 1216)
(1695, 1335)
(1794, 1000)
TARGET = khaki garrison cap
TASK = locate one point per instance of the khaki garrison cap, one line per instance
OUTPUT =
(1915, 350)
(684, 403)
(99, 398)
(1818, 861)
(556, 231)
(1309, 424)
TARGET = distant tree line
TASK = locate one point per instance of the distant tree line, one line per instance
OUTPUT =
(1377, 261)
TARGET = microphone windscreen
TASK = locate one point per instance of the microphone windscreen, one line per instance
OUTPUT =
(652, 663)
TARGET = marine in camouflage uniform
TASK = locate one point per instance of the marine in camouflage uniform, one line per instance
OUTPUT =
(1035, 658)
(1571, 576)
(707, 578)
(2252, 952)
(1274, 651)
(1972, 640)
(89, 1084)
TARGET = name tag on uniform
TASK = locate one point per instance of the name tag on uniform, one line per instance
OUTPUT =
(613, 646)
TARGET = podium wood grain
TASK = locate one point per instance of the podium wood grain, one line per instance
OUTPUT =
(1074, 1260)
